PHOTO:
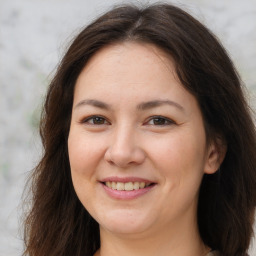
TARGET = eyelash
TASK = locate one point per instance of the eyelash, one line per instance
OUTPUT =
(166, 121)
(103, 121)
(94, 118)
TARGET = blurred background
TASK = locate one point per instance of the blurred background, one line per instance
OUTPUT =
(34, 34)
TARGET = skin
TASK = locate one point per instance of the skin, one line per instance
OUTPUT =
(126, 140)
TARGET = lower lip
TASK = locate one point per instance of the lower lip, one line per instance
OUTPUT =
(123, 194)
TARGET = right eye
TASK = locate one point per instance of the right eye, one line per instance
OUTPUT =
(95, 120)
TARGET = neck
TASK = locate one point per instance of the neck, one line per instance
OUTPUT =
(175, 239)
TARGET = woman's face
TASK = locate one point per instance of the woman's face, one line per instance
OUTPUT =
(137, 143)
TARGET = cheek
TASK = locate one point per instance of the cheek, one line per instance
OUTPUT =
(84, 157)
(180, 159)
(84, 154)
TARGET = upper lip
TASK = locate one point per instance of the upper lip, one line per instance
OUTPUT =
(126, 179)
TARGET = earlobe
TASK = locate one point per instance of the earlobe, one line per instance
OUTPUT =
(216, 154)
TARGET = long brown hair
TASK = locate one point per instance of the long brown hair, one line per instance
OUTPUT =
(58, 224)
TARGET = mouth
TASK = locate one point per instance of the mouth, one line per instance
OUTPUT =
(127, 186)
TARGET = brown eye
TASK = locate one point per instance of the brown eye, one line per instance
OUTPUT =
(98, 120)
(160, 121)
(95, 120)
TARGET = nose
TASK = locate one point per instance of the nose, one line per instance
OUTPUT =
(124, 149)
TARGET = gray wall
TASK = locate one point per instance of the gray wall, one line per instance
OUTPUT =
(33, 37)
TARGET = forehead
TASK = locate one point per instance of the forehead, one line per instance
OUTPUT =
(117, 59)
(125, 76)
(128, 63)
(129, 72)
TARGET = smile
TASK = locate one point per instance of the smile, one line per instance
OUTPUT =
(127, 186)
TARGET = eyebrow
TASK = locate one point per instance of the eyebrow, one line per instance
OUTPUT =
(142, 106)
(157, 103)
(95, 103)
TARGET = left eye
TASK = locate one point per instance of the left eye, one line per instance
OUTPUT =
(160, 121)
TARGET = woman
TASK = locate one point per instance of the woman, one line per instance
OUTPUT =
(149, 147)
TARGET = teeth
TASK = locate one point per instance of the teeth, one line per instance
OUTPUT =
(136, 185)
(113, 185)
(120, 186)
(142, 184)
(127, 186)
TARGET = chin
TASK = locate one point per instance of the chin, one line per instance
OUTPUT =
(125, 223)
(128, 228)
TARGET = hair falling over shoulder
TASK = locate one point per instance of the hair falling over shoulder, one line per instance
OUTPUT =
(57, 223)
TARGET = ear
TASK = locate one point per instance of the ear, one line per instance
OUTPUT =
(215, 156)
